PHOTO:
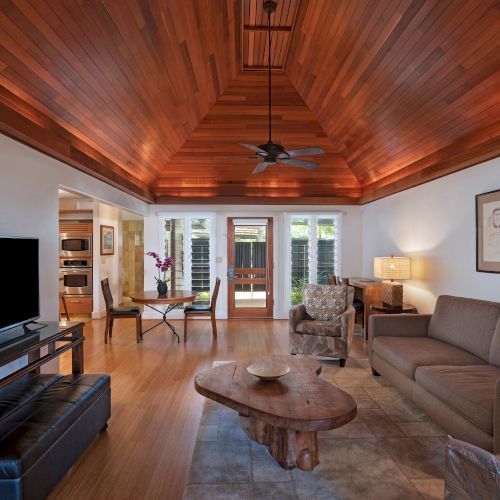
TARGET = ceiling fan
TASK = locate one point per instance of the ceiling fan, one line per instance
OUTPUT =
(271, 153)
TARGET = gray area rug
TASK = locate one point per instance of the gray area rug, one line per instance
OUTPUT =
(389, 451)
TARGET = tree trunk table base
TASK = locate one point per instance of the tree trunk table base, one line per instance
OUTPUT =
(290, 448)
(284, 415)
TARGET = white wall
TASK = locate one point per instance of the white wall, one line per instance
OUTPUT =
(435, 225)
(29, 206)
(351, 234)
(106, 266)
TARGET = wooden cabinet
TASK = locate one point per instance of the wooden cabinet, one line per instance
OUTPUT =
(75, 227)
(77, 304)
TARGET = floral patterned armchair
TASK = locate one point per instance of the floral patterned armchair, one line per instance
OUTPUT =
(470, 472)
(324, 324)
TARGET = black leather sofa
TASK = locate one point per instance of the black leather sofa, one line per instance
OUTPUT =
(46, 422)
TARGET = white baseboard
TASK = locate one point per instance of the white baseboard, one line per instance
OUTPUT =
(98, 314)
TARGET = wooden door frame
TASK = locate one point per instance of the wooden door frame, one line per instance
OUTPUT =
(251, 312)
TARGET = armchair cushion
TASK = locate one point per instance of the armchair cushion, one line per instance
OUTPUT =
(469, 390)
(406, 354)
(325, 302)
(322, 328)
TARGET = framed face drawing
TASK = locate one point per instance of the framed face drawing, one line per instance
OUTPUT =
(488, 232)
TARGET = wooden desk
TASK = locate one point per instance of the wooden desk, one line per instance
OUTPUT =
(284, 414)
(370, 292)
(57, 336)
(172, 299)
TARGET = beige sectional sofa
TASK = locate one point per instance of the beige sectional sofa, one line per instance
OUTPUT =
(447, 363)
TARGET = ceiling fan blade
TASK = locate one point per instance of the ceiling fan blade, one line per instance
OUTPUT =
(261, 167)
(254, 148)
(306, 152)
(224, 158)
(309, 165)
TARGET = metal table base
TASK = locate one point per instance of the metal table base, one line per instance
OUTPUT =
(169, 308)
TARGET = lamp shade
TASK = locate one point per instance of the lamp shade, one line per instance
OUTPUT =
(392, 268)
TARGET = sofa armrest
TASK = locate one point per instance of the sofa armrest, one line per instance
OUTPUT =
(396, 325)
(496, 419)
(470, 472)
(296, 314)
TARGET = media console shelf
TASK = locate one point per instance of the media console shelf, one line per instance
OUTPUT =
(58, 337)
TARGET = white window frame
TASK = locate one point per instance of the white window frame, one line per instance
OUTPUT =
(313, 246)
(187, 217)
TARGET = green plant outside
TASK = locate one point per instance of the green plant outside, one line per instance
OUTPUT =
(296, 291)
(203, 297)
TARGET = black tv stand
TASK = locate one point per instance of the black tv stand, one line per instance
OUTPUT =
(34, 330)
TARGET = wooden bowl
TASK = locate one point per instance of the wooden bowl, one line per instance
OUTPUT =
(268, 369)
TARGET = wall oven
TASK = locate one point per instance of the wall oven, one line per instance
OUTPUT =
(75, 276)
(75, 245)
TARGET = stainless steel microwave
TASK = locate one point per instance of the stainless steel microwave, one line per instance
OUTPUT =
(75, 245)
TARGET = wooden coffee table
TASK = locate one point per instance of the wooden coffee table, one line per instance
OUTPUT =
(284, 414)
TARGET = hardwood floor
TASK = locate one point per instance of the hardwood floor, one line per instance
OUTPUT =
(146, 451)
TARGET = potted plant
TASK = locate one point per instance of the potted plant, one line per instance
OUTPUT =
(163, 266)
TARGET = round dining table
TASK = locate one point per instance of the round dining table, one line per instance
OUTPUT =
(172, 299)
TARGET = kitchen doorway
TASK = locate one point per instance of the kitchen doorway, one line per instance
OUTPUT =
(250, 267)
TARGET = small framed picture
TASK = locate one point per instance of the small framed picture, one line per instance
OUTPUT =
(107, 240)
(488, 232)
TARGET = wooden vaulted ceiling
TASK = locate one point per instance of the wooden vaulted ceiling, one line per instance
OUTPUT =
(153, 96)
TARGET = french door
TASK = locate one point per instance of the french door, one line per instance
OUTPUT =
(250, 267)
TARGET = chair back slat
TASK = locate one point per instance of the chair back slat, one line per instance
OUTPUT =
(108, 297)
(215, 294)
(332, 280)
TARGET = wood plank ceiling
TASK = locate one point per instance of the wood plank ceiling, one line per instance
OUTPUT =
(150, 96)
(255, 45)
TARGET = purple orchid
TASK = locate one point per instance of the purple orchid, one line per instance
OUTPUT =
(163, 265)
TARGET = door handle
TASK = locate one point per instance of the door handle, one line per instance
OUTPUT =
(231, 276)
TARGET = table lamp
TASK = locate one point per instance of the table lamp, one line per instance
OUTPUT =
(390, 269)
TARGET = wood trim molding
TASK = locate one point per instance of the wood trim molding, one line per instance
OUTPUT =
(24, 123)
(255, 200)
(469, 151)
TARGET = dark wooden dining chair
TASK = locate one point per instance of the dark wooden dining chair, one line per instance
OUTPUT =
(358, 304)
(119, 312)
(203, 310)
(332, 280)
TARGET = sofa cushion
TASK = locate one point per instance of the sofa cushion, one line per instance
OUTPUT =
(19, 399)
(325, 302)
(57, 408)
(469, 390)
(321, 328)
(408, 353)
(465, 323)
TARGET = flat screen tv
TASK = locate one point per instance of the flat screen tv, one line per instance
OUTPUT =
(19, 287)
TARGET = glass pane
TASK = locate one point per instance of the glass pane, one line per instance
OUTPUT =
(250, 253)
(75, 280)
(200, 259)
(299, 245)
(325, 234)
(174, 247)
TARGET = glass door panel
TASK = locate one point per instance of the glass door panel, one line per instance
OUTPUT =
(250, 268)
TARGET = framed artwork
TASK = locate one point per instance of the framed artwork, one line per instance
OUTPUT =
(107, 240)
(488, 232)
